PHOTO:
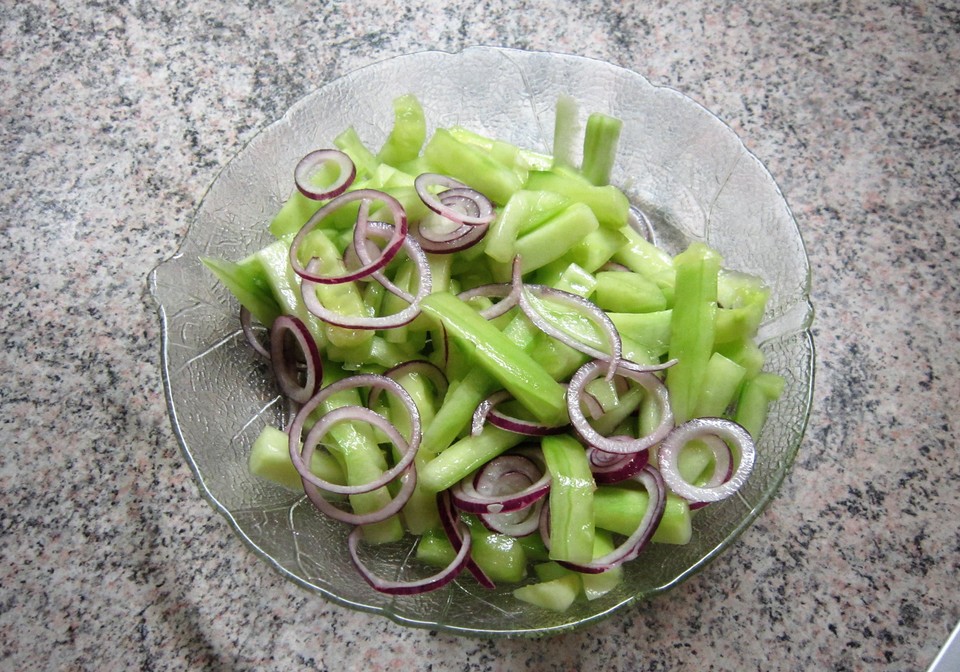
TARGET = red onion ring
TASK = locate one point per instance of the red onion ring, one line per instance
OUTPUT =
(359, 380)
(523, 521)
(483, 213)
(459, 535)
(610, 468)
(310, 163)
(584, 307)
(246, 325)
(465, 236)
(730, 433)
(417, 587)
(405, 316)
(492, 487)
(393, 507)
(311, 271)
(357, 414)
(722, 468)
(286, 371)
(486, 412)
(617, 445)
(508, 293)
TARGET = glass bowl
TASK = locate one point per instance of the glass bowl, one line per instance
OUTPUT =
(682, 166)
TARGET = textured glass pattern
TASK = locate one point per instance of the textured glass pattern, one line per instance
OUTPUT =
(677, 162)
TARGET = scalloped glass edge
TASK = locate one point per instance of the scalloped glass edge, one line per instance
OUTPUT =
(790, 322)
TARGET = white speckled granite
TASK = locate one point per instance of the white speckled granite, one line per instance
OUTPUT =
(116, 117)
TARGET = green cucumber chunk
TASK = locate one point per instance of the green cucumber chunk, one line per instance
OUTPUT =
(600, 147)
(503, 359)
(692, 326)
(248, 283)
(556, 595)
(408, 134)
(270, 459)
(619, 509)
(571, 499)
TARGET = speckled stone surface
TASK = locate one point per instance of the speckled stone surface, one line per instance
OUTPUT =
(115, 118)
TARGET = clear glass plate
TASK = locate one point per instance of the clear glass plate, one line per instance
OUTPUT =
(678, 162)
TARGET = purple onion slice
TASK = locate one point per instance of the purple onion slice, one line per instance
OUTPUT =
(313, 162)
(736, 438)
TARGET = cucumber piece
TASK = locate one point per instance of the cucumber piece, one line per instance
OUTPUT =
(501, 557)
(598, 585)
(361, 460)
(692, 326)
(619, 509)
(466, 456)
(534, 548)
(556, 595)
(566, 130)
(503, 359)
(349, 143)
(643, 257)
(524, 212)
(600, 147)
(472, 166)
(571, 499)
(249, 284)
(408, 134)
(596, 249)
(549, 571)
(343, 298)
(553, 238)
(270, 459)
(609, 204)
(650, 331)
(623, 292)
(721, 384)
(274, 259)
(755, 399)
(434, 548)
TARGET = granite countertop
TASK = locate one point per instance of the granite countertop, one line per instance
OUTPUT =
(117, 116)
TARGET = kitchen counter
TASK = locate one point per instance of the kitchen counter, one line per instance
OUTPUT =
(117, 116)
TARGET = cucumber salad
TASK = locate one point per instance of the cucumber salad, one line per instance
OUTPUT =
(481, 347)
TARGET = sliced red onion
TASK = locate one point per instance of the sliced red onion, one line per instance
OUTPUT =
(419, 586)
(355, 414)
(465, 236)
(312, 271)
(618, 445)
(459, 535)
(723, 462)
(393, 507)
(486, 412)
(640, 223)
(361, 247)
(312, 162)
(451, 202)
(507, 483)
(246, 325)
(612, 468)
(405, 316)
(733, 435)
(508, 293)
(353, 382)
(523, 521)
(582, 306)
(285, 367)
(650, 478)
